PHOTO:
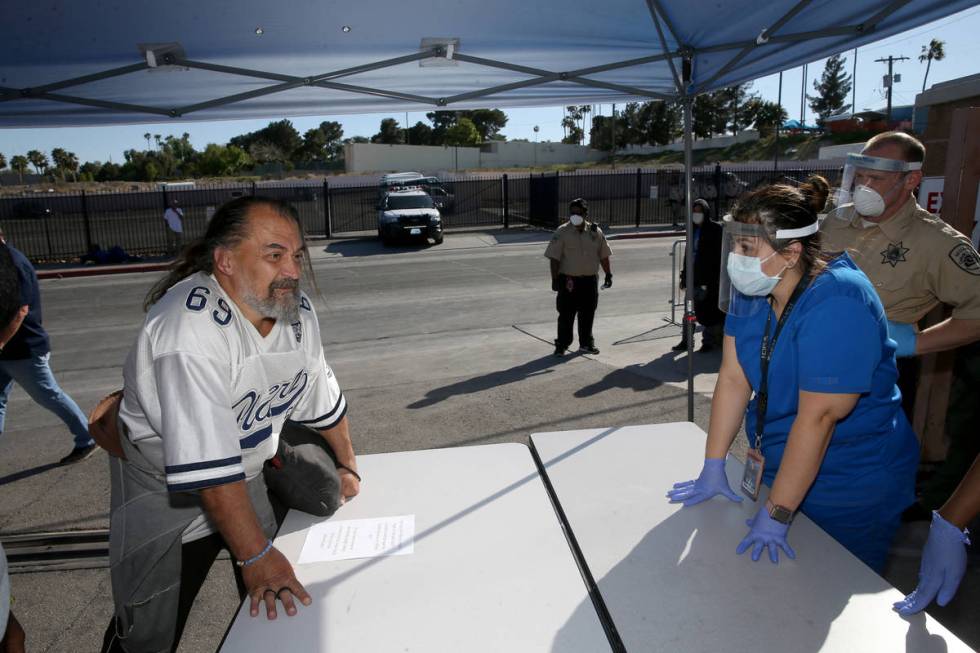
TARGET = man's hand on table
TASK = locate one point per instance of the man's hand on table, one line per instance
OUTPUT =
(270, 578)
(350, 486)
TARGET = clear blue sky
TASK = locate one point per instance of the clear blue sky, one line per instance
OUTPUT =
(959, 31)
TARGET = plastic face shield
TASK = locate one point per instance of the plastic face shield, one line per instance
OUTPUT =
(742, 242)
(861, 170)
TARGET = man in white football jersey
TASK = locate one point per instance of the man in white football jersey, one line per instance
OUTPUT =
(229, 351)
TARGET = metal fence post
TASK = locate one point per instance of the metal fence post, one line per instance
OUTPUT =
(718, 189)
(326, 208)
(639, 195)
(253, 188)
(88, 227)
(506, 200)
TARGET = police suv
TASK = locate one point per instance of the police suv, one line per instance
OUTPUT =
(408, 213)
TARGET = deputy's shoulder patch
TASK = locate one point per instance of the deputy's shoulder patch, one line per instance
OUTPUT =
(966, 258)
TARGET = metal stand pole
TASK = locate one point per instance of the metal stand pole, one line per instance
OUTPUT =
(689, 318)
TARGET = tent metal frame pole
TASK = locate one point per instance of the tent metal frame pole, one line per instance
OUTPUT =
(663, 41)
(763, 38)
(689, 317)
(75, 81)
(89, 102)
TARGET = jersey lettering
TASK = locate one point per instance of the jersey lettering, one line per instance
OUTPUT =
(222, 314)
(252, 410)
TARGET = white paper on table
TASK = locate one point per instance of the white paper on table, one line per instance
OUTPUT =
(359, 538)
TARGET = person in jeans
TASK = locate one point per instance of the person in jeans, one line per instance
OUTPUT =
(25, 357)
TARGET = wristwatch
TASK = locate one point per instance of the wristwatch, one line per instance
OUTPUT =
(779, 513)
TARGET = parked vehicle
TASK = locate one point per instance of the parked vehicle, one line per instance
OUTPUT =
(408, 214)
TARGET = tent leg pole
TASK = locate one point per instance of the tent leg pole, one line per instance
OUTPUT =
(689, 318)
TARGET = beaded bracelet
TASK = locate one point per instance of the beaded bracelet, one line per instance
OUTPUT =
(256, 558)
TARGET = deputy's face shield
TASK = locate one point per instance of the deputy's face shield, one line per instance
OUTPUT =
(752, 265)
(867, 185)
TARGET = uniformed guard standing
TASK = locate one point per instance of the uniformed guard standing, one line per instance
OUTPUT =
(915, 261)
(576, 251)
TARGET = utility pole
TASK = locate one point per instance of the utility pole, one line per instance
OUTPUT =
(803, 100)
(854, 84)
(890, 79)
(779, 123)
(612, 129)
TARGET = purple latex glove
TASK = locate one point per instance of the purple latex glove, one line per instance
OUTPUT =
(712, 481)
(765, 531)
(942, 567)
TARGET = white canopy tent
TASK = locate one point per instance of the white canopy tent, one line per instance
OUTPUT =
(73, 63)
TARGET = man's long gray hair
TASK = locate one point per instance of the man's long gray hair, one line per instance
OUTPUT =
(227, 228)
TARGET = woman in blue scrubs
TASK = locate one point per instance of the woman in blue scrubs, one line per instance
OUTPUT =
(832, 440)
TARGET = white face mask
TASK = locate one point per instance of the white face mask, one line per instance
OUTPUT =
(697, 218)
(868, 202)
(576, 219)
(747, 276)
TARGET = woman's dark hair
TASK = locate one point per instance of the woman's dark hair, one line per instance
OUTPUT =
(228, 227)
(780, 206)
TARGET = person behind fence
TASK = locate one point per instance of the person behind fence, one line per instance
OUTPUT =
(25, 358)
(577, 249)
(915, 261)
(707, 257)
(174, 217)
(230, 349)
(807, 362)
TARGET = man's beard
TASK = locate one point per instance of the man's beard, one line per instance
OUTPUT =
(281, 307)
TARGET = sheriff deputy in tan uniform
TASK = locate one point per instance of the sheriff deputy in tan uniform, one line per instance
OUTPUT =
(914, 260)
(576, 251)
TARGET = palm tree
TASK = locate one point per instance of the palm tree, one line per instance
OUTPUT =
(19, 165)
(71, 165)
(3, 162)
(147, 136)
(935, 50)
(38, 159)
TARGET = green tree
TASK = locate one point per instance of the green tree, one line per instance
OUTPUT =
(19, 165)
(323, 143)
(280, 135)
(935, 51)
(39, 160)
(464, 132)
(704, 113)
(832, 89)
(419, 134)
(89, 171)
(389, 133)
(441, 122)
(659, 123)
(65, 162)
(3, 162)
(221, 161)
(734, 107)
(147, 136)
(109, 172)
(573, 133)
(488, 122)
(769, 116)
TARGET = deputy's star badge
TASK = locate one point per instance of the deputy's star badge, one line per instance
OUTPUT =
(894, 254)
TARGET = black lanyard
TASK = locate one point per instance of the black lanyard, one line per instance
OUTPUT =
(765, 355)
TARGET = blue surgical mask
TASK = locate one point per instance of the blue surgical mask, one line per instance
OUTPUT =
(747, 276)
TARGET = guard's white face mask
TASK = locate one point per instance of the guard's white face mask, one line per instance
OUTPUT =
(697, 217)
(576, 219)
(868, 202)
(747, 276)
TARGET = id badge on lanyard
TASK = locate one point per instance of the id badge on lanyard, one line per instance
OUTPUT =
(755, 462)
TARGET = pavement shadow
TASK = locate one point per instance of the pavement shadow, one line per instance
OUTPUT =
(527, 370)
(373, 247)
(668, 367)
(27, 473)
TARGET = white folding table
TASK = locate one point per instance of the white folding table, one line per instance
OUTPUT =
(670, 578)
(491, 569)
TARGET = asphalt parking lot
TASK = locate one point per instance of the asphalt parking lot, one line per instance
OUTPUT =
(434, 347)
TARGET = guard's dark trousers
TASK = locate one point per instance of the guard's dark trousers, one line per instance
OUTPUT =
(581, 300)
